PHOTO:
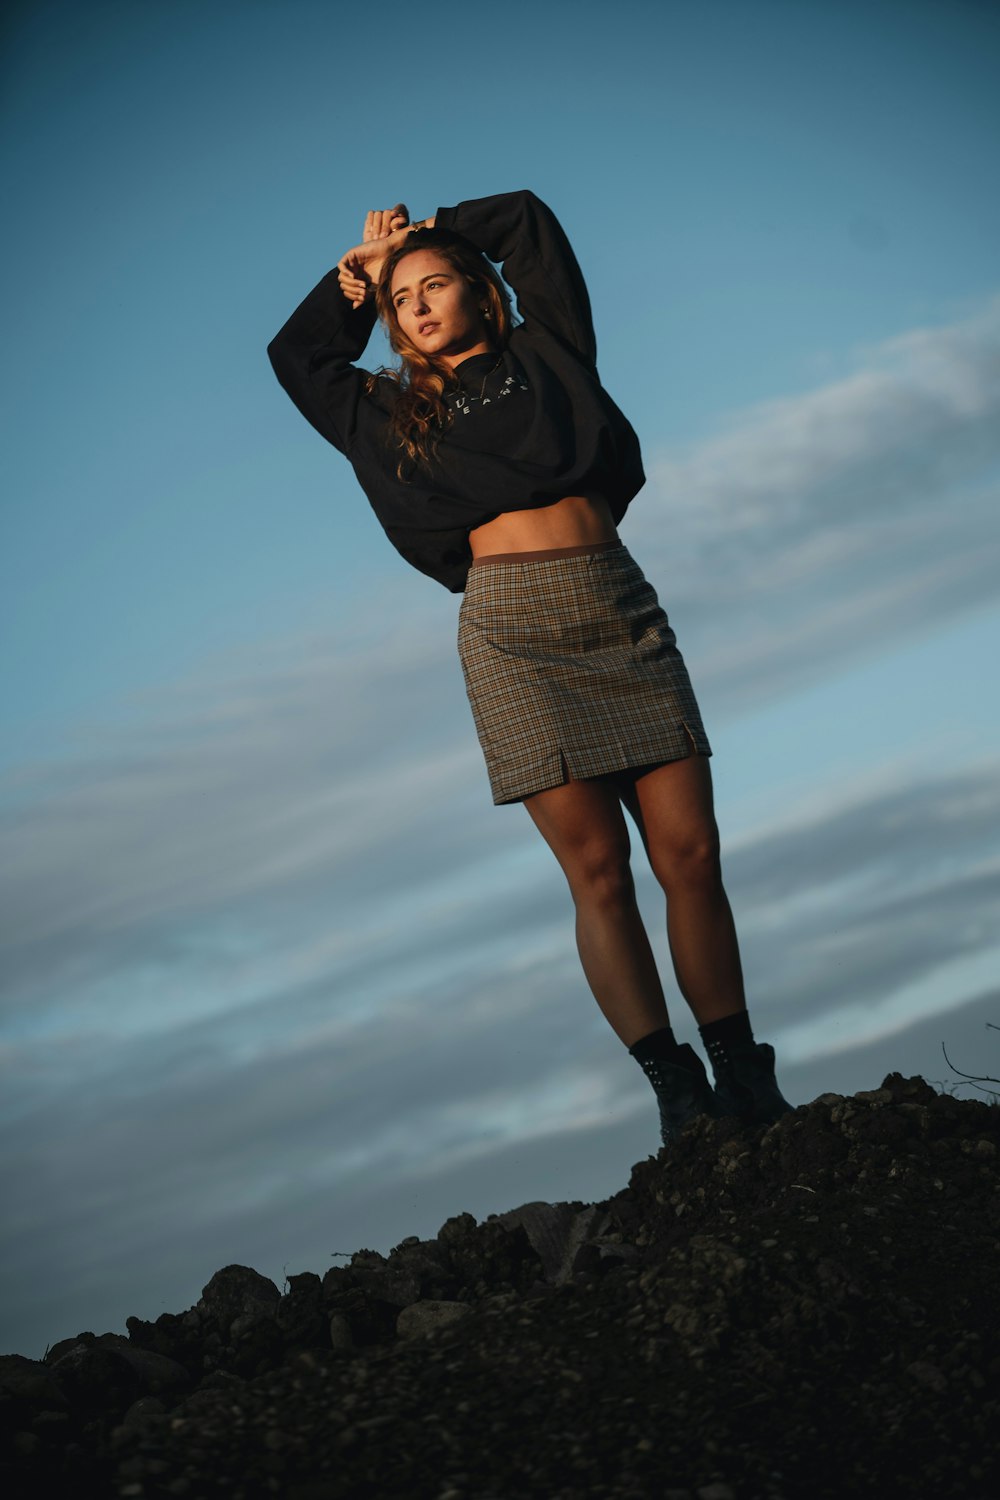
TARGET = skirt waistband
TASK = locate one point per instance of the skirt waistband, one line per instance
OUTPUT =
(551, 552)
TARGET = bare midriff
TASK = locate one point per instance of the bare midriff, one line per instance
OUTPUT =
(576, 521)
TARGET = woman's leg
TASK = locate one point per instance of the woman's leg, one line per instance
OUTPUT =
(673, 809)
(583, 824)
(672, 805)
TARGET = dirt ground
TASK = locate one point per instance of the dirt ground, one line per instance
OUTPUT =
(808, 1310)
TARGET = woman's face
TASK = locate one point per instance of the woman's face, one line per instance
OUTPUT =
(437, 309)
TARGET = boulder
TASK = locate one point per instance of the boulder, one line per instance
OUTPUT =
(427, 1317)
(238, 1292)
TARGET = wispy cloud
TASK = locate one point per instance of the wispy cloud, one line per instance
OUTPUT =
(819, 529)
(846, 911)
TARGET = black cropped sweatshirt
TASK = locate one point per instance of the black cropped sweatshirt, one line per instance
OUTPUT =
(523, 434)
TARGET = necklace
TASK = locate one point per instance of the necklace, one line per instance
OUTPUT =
(482, 389)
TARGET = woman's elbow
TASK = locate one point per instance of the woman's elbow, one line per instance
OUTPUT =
(281, 363)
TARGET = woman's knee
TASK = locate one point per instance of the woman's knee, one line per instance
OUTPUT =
(583, 824)
(600, 875)
(689, 859)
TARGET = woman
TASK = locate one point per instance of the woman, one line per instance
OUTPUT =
(498, 465)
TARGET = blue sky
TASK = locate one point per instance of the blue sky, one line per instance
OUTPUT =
(278, 979)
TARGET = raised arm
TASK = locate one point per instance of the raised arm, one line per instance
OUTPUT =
(314, 357)
(523, 235)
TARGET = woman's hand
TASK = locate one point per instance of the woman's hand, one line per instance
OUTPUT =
(358, 270)
(381, 222)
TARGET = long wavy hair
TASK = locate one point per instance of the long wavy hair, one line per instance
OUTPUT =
(419, 413)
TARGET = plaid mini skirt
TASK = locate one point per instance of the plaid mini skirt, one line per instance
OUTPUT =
(572, 670)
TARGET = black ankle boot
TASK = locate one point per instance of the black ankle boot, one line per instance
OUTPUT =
(745, 1085)
(682, 1090)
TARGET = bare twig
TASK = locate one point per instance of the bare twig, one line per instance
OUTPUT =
(974, 1078)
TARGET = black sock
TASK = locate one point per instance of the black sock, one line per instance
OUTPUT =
(731, 1034)
(661, 1043)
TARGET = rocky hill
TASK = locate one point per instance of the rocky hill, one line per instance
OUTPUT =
(809, 1310)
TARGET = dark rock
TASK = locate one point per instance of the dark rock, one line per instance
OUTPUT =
(176, 1337)
(382, 1284)
(238, 1292)
(556, 1232)
(56, 1351)
(97, 1379)
(428, 1263)
(341, 1336)
(428, 1317)
(305, 1281)
(490, 1253)
(157, 1374)
(258, 1344)
(457, 1230)
(140, 1411)
(29, 1381)
(301, 1315)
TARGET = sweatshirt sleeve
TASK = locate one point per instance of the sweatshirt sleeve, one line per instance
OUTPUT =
(523, 235)
(313, 357)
